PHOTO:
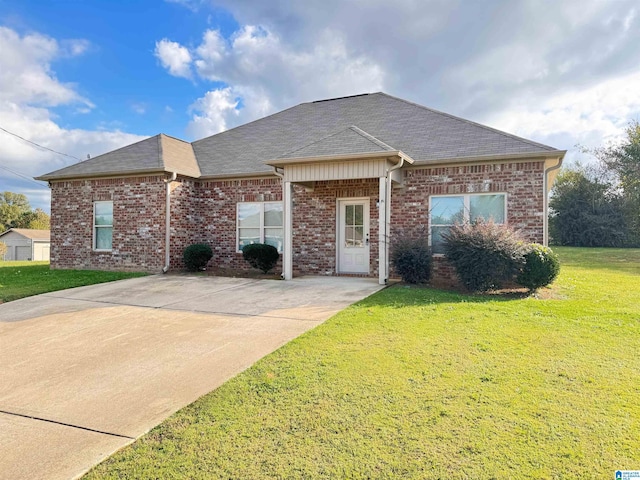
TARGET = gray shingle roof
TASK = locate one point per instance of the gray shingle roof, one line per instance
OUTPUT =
(351, 140)
(313, 129)
(422, 133)
(160, 153)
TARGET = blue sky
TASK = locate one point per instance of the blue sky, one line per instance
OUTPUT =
(85, 77)
(119, 72)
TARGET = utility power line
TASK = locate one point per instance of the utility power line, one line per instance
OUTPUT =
(38, 145)
(23, 176)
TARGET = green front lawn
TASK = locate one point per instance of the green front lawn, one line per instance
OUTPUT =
(23, 279)
(422, 383)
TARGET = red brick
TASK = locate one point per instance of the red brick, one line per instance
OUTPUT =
(205, 211)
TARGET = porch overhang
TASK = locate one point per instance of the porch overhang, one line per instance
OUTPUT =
(384, 166)
(339, 167)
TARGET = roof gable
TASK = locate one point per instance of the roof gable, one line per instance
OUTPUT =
(177, 156)
(160, 153)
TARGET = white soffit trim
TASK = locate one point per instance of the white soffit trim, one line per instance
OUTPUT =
(394, 156)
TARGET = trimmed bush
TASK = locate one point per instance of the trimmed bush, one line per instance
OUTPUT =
(411, 259)
(541, 267)
(197, 256)
(485, 255)
(261, 256)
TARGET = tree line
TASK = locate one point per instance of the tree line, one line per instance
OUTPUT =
(16, 212)
(598, 205)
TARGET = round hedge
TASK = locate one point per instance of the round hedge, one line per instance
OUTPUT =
(411, 259)
(197, 256)
(541, 267)
(486, 255)
(261, 256)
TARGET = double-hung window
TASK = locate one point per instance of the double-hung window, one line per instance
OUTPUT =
(446, 211)
(102, 225)
(260, 222)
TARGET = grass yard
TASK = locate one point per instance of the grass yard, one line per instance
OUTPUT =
(421, 383)
(23, 279)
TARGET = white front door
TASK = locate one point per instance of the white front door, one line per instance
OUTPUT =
(353, 236)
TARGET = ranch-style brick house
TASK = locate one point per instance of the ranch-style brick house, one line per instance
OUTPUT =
(329, 183)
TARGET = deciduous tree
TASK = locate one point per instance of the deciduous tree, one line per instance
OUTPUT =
(12, 207)
(623, 161)
(37, 219)
(587, 210)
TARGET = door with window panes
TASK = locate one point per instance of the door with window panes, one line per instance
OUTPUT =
(353, 236)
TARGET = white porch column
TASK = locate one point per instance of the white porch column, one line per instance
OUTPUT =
(287, 254)
(383, 265)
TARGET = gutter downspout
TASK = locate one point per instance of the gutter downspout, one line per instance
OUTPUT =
(167, 232)
(545, 224)
(387, 215)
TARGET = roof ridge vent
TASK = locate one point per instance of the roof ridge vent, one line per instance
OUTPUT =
(340, 98)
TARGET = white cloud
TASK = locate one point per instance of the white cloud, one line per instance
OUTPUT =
(573, 80)
(192, 5)
(174, 57)
(212, 50)
(26, 75)
(37, 125)
(73, 48)
(591, 116)
(28, 88)
(213, 109)
(262, 74)
(139, 108)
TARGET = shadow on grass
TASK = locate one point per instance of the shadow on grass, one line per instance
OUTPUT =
(402, 295)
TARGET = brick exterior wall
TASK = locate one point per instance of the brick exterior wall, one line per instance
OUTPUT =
(523, 182)
(185, 218)
(205, 211)
(216, 206)
(314, 224)
(138, 223)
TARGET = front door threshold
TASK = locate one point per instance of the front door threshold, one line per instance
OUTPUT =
(357, 275)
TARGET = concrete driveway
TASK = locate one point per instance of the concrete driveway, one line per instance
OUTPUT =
(85, 371)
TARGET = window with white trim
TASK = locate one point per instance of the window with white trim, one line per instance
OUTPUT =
(102, 225)
(260, 222)
(446, 211)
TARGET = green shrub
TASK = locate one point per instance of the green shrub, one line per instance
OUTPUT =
(261, 256)
(485, 255)
(541, 267)
(411, 259)
(197, 256)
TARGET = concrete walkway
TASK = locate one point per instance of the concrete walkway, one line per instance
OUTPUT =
(85, 371)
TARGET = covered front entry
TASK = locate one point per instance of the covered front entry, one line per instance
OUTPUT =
(352, 239)
(350, 154)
